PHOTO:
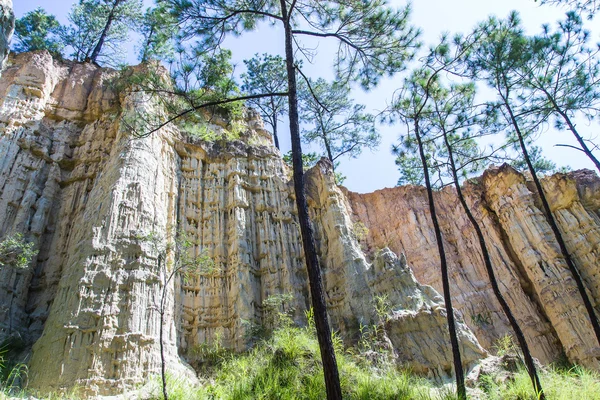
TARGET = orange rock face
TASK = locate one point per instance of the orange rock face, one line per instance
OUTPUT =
(529, 267)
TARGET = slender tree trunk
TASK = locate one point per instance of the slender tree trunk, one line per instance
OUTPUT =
(275, 137)
(274, 125)
(575, 133)
(535, 380)
(458, 369)
(147, 45)
(328, 148)
(163, 373)
(109, 21)
(332, 380)
(554, 226)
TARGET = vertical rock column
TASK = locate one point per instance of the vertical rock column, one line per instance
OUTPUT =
(7, 25)
(415, 321)
(102, 332)
(532, 239)
(398, 218)
(235, 206)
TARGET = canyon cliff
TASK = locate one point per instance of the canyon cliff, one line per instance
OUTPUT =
(7, 26)
(88, 194)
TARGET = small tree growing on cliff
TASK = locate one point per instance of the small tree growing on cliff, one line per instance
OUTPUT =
(267, 74)
(15, 252)
(174, 260)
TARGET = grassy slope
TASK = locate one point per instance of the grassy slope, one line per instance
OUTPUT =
(287, 366)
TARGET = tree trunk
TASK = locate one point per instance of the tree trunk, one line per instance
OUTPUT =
(330, 371)
(109, 21)
(535, 380)
(458, 369)
(274, 125)
(275, 137)
(163, 373)
(147, 45)
(553, 225)
(161, 311)
(573, 130)
(328, 148)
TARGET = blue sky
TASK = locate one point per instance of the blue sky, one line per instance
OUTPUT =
(376, 170)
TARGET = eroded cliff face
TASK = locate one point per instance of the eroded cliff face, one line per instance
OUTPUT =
(7, 25)
(532, 273)
(76, 184)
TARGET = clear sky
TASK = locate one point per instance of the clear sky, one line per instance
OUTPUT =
(375, 170)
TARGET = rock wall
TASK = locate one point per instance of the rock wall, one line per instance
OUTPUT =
(101, 207)
(7, 25)
(532, 273)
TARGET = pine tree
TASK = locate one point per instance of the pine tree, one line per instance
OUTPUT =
(267, 74)
(563, 76)
(99, 27)
(374, 40)
(495, 60)
(454, 117)
(587, 7)
(158, 30)
(339, 126)
(38, 30)
(412, 106)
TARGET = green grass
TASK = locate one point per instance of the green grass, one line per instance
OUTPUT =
(559, 384)
(287, 366)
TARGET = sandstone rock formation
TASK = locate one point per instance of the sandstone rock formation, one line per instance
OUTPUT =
(7, 25)
(532, 274)
(90, 196)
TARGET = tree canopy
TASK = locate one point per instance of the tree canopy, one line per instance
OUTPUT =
(98, 28)
(267, 74)
(334, 121)
(38, 30)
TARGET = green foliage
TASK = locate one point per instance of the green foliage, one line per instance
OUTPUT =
(373, 38)
(184, 98)
(267, 74)
(382, 307)
(38, 30)
(309, 160)
(158, 30)
(440, 112)
(277, 312)
(12, 375)
(505, 346)
(587, 7)
(541, 164)
(89, 18)
(287, 366)
(15, 252)
(201, 78)
(330, 117)
(360, 231)
(576, 383)
(481, 319)
(210, 354)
